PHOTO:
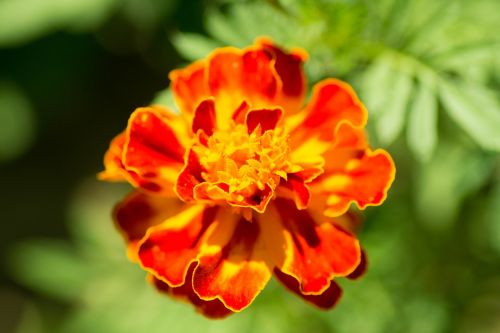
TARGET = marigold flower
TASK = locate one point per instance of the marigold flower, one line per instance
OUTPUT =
(246, 182)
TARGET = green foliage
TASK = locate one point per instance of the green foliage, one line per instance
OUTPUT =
(386, 45)
(17, 122)
(22, 20)
(475, 110)
(447, 179)
(429, 73)
(422, 133)
(108, 294)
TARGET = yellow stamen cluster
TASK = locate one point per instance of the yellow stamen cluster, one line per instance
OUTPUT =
(245, 162)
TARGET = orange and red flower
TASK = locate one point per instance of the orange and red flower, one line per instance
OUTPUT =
(247, 181)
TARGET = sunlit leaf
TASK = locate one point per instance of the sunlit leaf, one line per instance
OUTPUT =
(219, 27)
(391, 120)
(476, 53)
(472, 110)
(376, 83)
(422, 131)
(193, 46)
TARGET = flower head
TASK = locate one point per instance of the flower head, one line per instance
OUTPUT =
(247, 181)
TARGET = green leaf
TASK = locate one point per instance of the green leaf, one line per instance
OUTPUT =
(17, 122)
(220, 28)
(50, 267)
(165, 98)
(422, 131)
(193, 46)
(391, 121)
(475, 111)
(23, 20)
(471, 54)
(453, 173)
(91, 219)
(246, 21)
(376, 82)
(493, 216)
(31, 320)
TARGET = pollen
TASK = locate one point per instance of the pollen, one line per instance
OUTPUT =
(245, 164)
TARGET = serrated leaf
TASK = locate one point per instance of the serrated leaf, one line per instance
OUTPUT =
(474, 111)
(376, 82)
(391, 121)
(219, 27)
(193, 46)
(476, 53)
(422, 129)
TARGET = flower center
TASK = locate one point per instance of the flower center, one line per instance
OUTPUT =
(247, 163)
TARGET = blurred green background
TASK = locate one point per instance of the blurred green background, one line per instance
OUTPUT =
(71, 71)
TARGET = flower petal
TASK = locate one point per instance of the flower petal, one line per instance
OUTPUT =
(361, 269)
(266, 118)
(140, 211)
(168, 249)
(288, 66)
(204, 117)
(152, 152)
(190, 176)
(365, 181)
(325, 300)
(353, 173)
(299, 190)
(240, 114)
(233, 270)
(213, 309)
(333, 103)
(189, 86)
(113, 166)
(317, 250)
(240, 75)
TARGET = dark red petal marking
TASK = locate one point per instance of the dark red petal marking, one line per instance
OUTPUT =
(325, 300)
(361, 269)
(299, 189)
(190, 176)
(320, 250)
(139, 211)
(189, 86)
(168, 251)
(237, 273)
(204, 117)
(152, 143)
(266, 118)
(289, 68)
(258, 76)
(240, 114)
(214, 309)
